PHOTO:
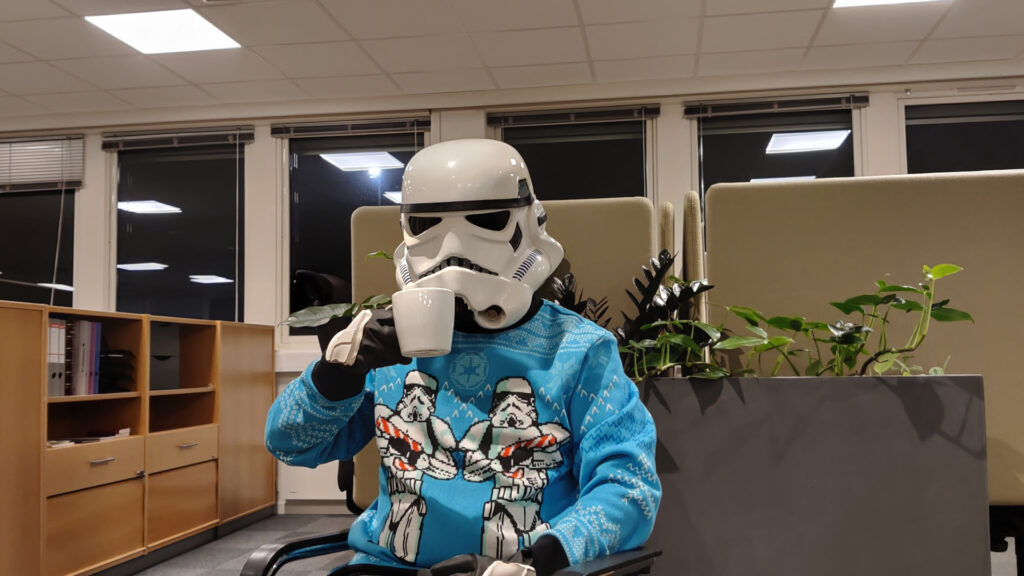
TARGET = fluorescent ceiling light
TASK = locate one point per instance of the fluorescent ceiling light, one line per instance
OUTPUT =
(353, 161)
(784, 179)
(789, 142)
(850, 3)
(395, 197)
(164, 31)
(148, 207)
(209, 279)
(142, 266)
(63, 287)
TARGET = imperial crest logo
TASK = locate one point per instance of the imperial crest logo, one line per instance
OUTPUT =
(469, 370)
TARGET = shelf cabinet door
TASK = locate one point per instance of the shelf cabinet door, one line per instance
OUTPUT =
(181, 501)
(89, 529)
(246, 392)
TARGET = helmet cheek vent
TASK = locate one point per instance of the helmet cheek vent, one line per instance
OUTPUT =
(517, 238)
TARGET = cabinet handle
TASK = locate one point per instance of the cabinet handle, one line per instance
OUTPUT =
(189, 445)
(101, 461)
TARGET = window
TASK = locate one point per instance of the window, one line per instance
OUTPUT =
(965, 137)
(330, 176)
(585, 154)
(38, 179)
(180, 225)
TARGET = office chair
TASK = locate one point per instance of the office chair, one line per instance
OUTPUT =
(269, 558)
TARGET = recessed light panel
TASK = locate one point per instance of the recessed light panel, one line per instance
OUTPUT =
(851, 3)
(395, 197)
(142, 266)
(164, 31)
(790, 142)
(354, 161)
(148, 207)
(209, 279)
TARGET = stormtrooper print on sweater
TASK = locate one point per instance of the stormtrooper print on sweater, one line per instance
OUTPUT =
(528, 431)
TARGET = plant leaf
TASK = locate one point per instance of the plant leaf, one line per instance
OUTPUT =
(884, 363)
(319, 315)
(380, 254)
(738, 342)
(847, 308)
(759, 331)
(749, 314)
(908, 306)
(943, 270)
(950, 315)
(793, 323)
(679, 340)
(713, 332)
(376, 301)
(883, 287)
(712, 373)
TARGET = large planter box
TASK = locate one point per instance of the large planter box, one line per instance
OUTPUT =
(811, 476)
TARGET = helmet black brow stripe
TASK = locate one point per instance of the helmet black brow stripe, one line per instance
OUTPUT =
(496, 204)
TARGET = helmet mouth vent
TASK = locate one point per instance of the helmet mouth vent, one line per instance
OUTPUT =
(458, 262)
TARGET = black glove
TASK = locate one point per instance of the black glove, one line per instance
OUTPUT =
(546, 556)
(377, 348)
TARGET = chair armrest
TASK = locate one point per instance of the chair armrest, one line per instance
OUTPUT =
(269, 558)
(618, 564)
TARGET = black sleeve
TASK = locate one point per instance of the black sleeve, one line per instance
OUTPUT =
(547, 555)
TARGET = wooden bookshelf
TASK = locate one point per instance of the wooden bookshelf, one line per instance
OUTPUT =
(81, 508)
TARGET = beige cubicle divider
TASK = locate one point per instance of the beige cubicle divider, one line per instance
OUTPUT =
(606, 243)
(791, 248)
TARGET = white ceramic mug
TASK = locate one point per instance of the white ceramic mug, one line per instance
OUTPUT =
(424, 320)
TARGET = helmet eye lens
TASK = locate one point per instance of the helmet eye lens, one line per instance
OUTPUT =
(490, 220)
(420, 224)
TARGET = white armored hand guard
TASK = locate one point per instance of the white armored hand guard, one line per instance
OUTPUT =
(500, 568)
(344, 347)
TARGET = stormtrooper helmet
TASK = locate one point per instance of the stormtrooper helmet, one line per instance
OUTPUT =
(472, 224)
(512, 405)
(418, 397)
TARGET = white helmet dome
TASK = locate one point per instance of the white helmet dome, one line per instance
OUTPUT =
(472, 224)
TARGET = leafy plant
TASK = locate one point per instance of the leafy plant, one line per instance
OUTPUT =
(837, 348)
(564, 290)
(318, 315)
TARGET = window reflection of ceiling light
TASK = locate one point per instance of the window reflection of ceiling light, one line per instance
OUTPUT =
(789, 142)
(138, 267)
(784, 179)
(209, 279)
(164, 31)
(148, 207)
(63, 287)
(354, 161)
(850, 3)
(373, 172)
(395, 197)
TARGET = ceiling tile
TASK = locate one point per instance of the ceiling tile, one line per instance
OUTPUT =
(750, 62)
(982, 18)
(288, 22)
(28, 9)
(616, 11)
(350, 87)
(38, 78)
(321, 59)
(759, 32)
(659, 68)
(120, 71)
(724, 7)
(14, 106)
(12, 54)
(479, 16)
(79, 102)
(258, 91)
(643, 39)
(232, 65)
(968, 49)
(62, 38)
(524, 47)
(444, 81)
(859, 55)
(393, 18)
(165, 97)
(547, 75)
(422, 54)
(879, 23)
(97, 7)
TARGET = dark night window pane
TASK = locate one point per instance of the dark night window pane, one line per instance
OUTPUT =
(576, 161)
(736, 148)
(30, 225)
(965, 137)
(323, 198)
(200, 245)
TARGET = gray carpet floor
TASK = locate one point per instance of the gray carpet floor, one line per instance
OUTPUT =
(227, 555)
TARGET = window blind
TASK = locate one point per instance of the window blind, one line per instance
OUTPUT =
(34, 164)
(761, 106)
(350, 128)
(576, 116)
(178, 138)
